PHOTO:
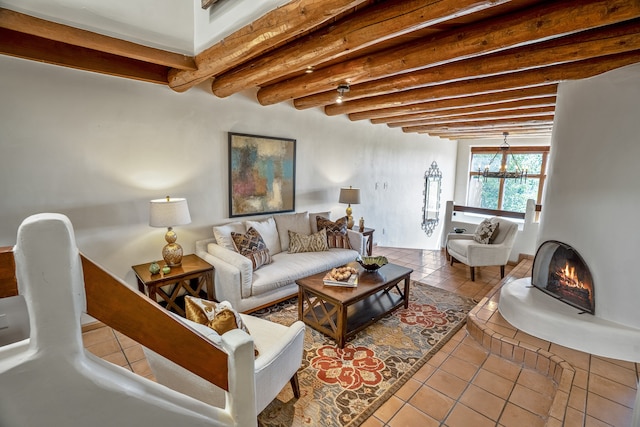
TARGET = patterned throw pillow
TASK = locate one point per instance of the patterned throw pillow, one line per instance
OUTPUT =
(222, 233)
(252, 246)
(486, 231)
(219, 316)
(336, 232)
(312, 219)
(315, 242)
(269, 232)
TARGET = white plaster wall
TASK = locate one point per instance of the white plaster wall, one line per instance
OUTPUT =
(98, 148)
(163, 24)
(592, 193)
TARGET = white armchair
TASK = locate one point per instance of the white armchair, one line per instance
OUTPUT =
(463, 248)
(280, 356)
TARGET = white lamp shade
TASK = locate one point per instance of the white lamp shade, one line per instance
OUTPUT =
(350, 196)
(168, 212)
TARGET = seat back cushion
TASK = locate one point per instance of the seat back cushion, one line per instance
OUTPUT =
(313, 217)
(222, 233)
(505, 231)
(298, 222)
(269, 232)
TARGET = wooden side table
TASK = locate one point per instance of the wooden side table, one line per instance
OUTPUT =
(194, 276)
(368, 233)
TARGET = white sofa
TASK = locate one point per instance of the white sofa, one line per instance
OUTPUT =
(246, 289)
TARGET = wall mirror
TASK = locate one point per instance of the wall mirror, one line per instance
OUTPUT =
(431, 208)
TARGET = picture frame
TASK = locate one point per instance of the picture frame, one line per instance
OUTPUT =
(262, 174)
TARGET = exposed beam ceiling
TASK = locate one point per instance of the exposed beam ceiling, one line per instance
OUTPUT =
(449, 68)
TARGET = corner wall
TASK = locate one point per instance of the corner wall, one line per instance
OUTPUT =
(97, 148)
(592, 194)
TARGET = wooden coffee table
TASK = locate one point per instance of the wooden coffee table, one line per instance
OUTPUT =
(342, 312)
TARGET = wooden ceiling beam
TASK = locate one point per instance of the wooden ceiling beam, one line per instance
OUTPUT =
(521, 79)
(361, 29)
(26, 24)
(514, 129)
(623, 37)
(551, 19)
(26, 46)
(529, 132)
(542, 120)
(513, 114)
(277, 26)
(547, 101)
(462, 102)
(496, 131)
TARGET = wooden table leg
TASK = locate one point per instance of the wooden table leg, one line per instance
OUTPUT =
(407, 282)
(211, 290)
(342, 326)
(140, 285)
(300, 302)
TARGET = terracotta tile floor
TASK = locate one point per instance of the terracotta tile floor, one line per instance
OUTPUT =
(465, 384)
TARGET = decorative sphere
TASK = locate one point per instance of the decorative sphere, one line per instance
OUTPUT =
(166, 269)
(154, 268)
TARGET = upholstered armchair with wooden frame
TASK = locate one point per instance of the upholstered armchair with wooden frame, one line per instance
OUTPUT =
(463, 248)
(279, 358)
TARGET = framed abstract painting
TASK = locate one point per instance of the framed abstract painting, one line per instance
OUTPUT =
(262, 174)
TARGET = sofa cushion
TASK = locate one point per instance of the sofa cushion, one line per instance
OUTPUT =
(252, 246)
(269, 232)
(222, 233)
(485, 231)
(287, 268)
(336, 232)
(313, 217)
(298, 222)
(315, 242)
(461, 246)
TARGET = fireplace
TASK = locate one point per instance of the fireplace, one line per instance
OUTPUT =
(560, 271)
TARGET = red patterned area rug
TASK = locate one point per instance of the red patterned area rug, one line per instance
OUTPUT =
(343, 387)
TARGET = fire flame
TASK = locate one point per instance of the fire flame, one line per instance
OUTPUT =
(570, 278)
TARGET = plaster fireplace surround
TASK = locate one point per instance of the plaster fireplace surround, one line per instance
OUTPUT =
(591, 205)
(560, 271)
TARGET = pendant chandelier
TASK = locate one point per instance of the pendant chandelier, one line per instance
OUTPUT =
(518, 173)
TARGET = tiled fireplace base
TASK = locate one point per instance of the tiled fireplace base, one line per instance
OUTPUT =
(570, 403)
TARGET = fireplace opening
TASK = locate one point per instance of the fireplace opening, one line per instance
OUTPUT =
(560, 271)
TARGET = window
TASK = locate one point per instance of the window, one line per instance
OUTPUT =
(507, 194)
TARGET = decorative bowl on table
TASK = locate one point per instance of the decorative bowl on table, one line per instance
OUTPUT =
(372, 263)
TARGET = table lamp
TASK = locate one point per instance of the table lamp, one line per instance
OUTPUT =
(168, 213)
(349, 195)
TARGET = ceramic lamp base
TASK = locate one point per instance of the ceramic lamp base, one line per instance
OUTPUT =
(172, 255)
(172, 252)
(349, 217)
